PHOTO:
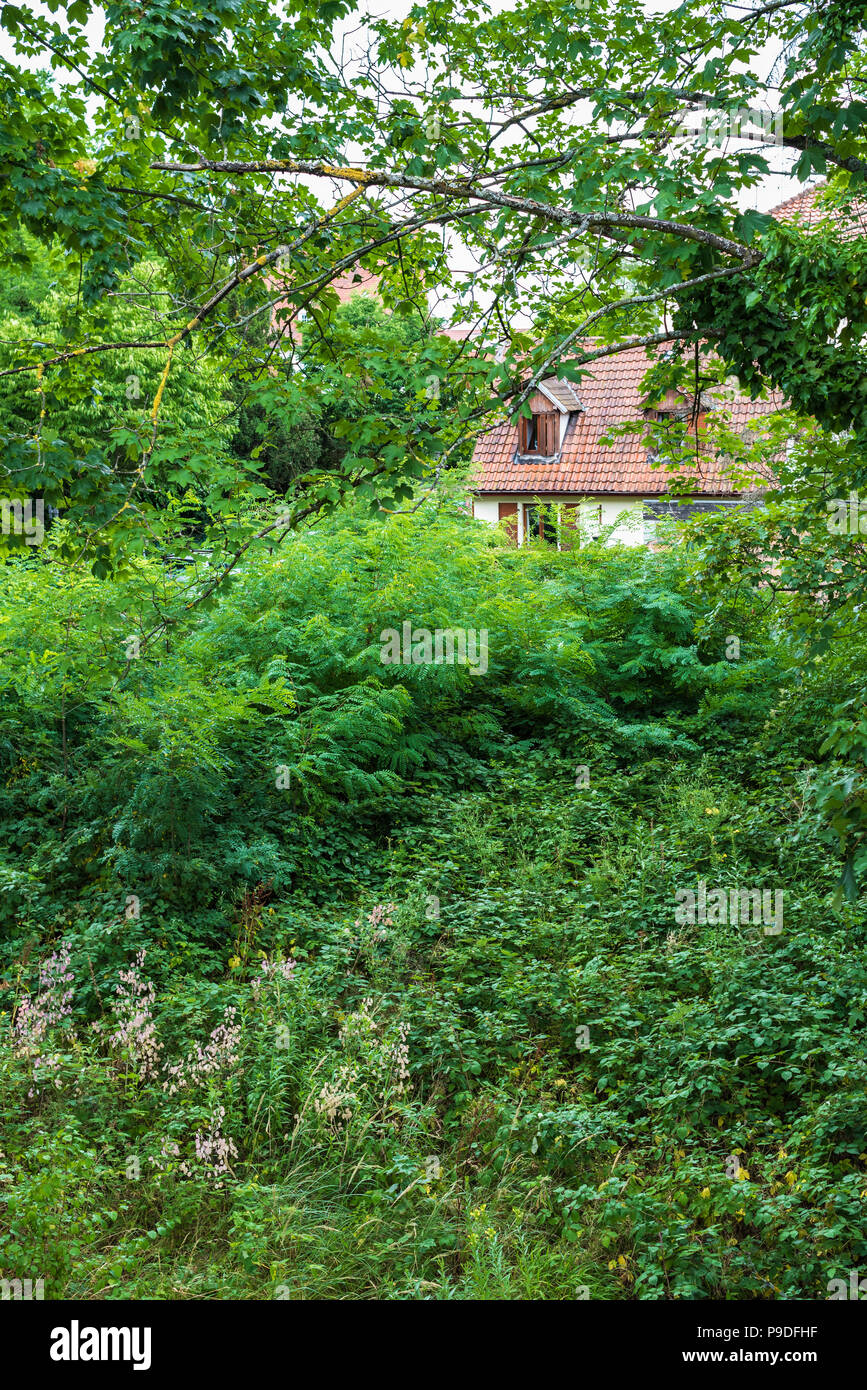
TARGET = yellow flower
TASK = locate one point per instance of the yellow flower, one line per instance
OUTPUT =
(711, 810)
(234, 962)
(790, 1178)
(705, 1192)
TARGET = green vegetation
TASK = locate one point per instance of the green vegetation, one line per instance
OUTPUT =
(412, 1109)
(329, 976)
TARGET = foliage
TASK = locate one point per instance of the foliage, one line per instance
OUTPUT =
(170, 141)
(330, 976)
(323, 1036)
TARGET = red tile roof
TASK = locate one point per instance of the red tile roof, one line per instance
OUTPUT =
(801, 205)
(356, 281)
(610, 397)
(808, 208)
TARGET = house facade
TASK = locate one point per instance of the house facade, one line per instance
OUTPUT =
(566, 465)
(562, 468)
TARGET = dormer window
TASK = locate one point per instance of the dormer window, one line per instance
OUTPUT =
(680, 412)
(539, 434)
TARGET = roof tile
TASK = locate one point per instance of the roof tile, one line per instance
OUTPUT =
(610, 397)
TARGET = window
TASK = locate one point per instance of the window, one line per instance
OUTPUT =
(539, 434)
(683, 413)
(540, 523)
(658, 509)
(508, 512)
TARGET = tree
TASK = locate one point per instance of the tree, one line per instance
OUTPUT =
(567, 156)
(544, 138)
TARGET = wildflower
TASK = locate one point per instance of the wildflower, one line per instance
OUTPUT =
(213, 1148)
(333, 1100)
(377, 920)
(135, 1029)
(37, 1018)
(220, 1053)
(278, 969)
(400, 1055)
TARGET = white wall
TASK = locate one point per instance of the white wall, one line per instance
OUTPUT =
(626, 511)
(484, 509)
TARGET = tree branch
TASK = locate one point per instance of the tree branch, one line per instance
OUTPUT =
(463, 189)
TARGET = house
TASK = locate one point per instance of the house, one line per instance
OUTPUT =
(560, 467)
(571, 463)
(555, 466)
